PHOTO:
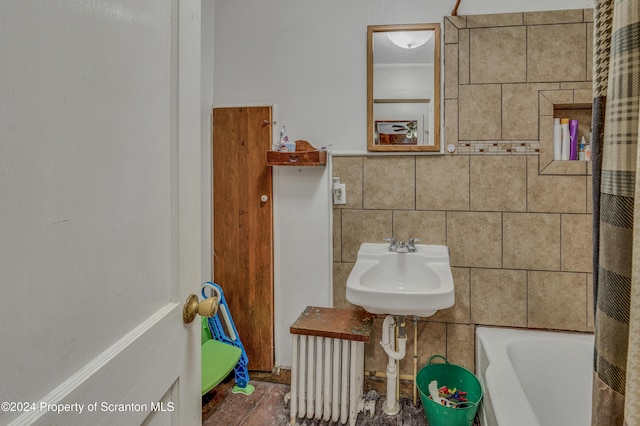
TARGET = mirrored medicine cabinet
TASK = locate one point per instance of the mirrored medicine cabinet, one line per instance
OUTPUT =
(403, 87)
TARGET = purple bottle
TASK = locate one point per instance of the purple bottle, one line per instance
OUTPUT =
(573, 139)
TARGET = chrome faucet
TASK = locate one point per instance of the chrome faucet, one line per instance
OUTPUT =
(392, 243)
(401, 246)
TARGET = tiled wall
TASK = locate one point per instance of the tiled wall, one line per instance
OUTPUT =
(518, 224)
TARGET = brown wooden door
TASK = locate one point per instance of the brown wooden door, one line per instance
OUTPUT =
(243, 226)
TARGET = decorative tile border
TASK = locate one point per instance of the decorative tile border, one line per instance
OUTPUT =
(501, 147)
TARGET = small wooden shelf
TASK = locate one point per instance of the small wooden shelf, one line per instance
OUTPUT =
(297, 159)
(305, 155)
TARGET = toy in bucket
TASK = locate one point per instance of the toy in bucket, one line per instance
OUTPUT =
(448, 397)
(450, 394)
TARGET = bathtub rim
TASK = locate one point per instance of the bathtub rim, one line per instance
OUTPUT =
(500, 338)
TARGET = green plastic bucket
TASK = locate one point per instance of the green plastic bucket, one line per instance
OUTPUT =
(452, 376)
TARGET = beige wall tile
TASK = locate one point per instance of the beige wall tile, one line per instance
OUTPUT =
(337, 235)
(450, 31)
(562, 194)
(463, 56)
(363, 226)
(583, 96)
(451, 71)
(568, 168)
(498, 183)
(588, 15)
(532, 241)
(545, 105)
(495, 20)
(461, 345)
(577, 242)
(389, 183)
(589, 60)
(442, 183)
(499, 297)
(451, 122)
(553, 17)
(475, 239)
(572, 85)
(341, 272)
(459, 21)
(432, 340)
(520, 110)
(459, 312)
(430, 227)
(350, 172)
(557, 300)
(480, 115)
(559, 96)
(498, 55)
(545, 156)
(556, 52)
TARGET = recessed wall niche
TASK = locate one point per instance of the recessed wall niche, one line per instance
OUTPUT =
(572, 103)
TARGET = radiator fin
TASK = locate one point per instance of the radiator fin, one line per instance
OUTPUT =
(327, 378)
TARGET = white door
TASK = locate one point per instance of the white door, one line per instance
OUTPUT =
(100, 211)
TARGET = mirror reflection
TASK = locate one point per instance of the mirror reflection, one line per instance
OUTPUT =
(403, 96)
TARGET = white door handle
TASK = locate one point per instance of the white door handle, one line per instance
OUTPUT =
(264, 198)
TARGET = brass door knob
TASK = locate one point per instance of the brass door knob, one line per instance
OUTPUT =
(206, 308)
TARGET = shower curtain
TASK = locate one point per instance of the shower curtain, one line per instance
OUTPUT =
(616, 277)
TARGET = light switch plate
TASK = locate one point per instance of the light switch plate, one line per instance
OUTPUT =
(339, 194)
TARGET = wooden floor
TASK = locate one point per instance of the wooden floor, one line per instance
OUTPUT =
(266, 407)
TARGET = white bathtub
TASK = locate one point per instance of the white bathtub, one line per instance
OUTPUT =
(534, 378)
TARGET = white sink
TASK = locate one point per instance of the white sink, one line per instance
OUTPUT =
(418, 283)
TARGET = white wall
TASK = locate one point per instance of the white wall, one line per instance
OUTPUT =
(302, 266)
(310, 58)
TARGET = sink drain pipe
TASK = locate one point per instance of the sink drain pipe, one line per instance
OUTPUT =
(391, 405)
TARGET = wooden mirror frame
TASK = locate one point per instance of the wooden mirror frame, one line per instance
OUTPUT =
(435, 132)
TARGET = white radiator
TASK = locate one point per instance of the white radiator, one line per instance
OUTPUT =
(327, 378)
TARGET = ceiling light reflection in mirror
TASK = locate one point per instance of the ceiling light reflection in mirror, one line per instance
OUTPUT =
(410, 39)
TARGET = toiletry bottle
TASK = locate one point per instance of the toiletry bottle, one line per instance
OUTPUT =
(581, 150)
(284, 139)
(587, 148)
(557, 139)
(564, 124)
(573, 139)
